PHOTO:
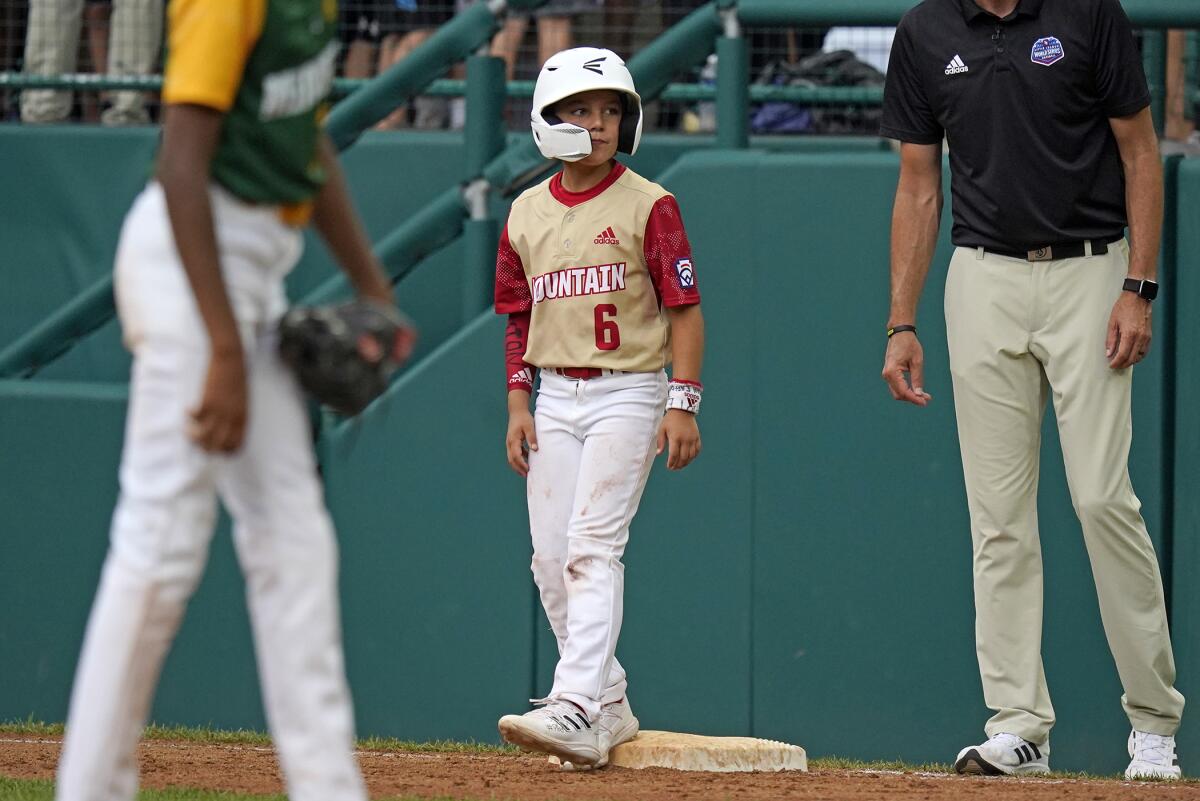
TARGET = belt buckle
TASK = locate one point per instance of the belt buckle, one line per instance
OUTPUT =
(1041, 254)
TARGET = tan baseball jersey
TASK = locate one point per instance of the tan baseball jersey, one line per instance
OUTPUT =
(594, 270)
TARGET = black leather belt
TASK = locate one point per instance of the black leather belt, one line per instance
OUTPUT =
(1065, 250)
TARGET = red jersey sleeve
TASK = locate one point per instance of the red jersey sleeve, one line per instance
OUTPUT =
(512, 289)
(669, 255)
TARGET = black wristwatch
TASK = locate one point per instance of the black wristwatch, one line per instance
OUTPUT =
(1143, 288)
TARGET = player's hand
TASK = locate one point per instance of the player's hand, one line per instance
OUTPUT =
(521, 438)
(1129, 333)
(406, 333)
(904, 355)
(218, 424)
(679, 430)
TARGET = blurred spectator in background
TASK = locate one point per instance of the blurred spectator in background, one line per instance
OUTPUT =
(553, 31)
(52, 44)
(621, 18)
(363, 25)
(418, 21)
(12, 33)
(380, 33)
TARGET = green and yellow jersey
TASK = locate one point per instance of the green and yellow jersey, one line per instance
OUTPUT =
(268, 65)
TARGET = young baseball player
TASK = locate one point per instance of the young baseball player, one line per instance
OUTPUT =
(595, 272)
(199, 282)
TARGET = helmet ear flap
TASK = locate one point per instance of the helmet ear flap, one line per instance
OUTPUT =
(631, 121)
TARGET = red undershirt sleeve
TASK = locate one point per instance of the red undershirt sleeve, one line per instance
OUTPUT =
(669, 255)
(516, 342)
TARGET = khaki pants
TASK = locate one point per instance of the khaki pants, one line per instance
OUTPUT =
(52, 39)
(1020, 332)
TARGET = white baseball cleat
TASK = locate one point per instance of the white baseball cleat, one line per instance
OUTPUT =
(616, 725)
(559, 728)
(1004, 755)
(1153, 756)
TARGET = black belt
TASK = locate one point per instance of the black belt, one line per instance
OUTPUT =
(1065, 250)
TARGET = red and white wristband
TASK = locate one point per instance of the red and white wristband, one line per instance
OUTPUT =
(684, 395)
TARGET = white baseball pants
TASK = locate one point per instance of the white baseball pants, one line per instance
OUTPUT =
(165, 515)
(1019, 333)
(596, 442)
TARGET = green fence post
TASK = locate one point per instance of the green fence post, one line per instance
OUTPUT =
(1154, 57)
(485, 139)
(733, 81)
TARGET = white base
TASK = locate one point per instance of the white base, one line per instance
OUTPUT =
(664, 749)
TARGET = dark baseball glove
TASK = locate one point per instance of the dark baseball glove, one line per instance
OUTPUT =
(344, 354)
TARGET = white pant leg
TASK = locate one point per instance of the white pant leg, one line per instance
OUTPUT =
(160, 535)
(162, 524)
(288, 553)
(617, 418)
(51, 45)
(550, 493)
(164, 519)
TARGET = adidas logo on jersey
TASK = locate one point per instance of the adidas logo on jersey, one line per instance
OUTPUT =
(956, 66)
(607, 237)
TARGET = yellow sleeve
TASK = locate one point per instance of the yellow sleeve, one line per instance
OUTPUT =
(207, 47)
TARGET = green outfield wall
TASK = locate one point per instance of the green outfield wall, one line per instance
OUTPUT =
(75, 184)
(807, 579)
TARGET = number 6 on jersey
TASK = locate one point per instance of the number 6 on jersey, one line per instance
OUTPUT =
(608, 336)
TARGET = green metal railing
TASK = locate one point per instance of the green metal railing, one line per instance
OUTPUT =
(342, 87)
(489, 169)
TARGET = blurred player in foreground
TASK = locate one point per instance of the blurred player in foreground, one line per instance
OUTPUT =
(595, 272)
(199, 282)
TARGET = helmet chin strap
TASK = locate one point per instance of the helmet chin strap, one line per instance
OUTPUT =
(566, 142)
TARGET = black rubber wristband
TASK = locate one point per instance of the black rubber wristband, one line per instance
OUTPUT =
(900, 329)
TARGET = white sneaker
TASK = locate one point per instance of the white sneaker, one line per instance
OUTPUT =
(1153, 756)
(1004, 755)
(616, 725)
(558, 728)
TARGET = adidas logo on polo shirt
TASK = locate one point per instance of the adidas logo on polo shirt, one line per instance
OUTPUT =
(956, 66)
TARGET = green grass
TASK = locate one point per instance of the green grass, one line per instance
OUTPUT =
(34, 728)
(43, 790)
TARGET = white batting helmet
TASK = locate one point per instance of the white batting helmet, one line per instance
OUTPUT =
(582, 69)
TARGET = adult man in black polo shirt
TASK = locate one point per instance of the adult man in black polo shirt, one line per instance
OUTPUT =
(1052, 152)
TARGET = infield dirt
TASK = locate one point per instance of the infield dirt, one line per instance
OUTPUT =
(249, 769)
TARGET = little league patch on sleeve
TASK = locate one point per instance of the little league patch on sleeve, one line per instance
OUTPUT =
(687, 276)
(1047, 51)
